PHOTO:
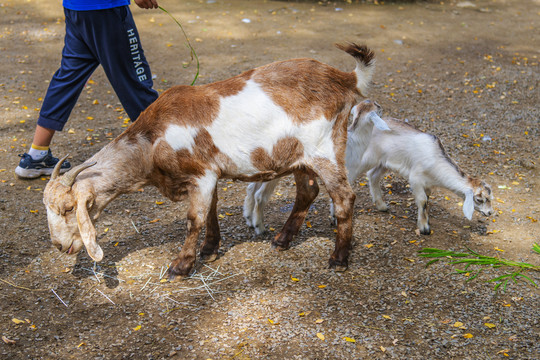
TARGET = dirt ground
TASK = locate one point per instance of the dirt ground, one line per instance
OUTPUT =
(465, 71)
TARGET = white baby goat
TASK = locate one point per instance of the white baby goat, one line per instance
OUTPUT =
(421, 159)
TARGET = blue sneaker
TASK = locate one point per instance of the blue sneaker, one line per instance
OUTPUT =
(30, 169)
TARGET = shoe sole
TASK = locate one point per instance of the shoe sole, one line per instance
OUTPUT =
(34, 173)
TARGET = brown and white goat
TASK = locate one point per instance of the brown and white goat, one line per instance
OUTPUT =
(282, 118)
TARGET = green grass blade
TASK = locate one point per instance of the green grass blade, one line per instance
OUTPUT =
(192, 50)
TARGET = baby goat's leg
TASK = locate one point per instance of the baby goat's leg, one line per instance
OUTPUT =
(210, 247)
(307, 190)
(374, 176)
(421, 200)
(343, 197)
(201, 198)
(249, 202)
(262, 195)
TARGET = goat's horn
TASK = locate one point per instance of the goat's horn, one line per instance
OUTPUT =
(56, 170)
(69, 178)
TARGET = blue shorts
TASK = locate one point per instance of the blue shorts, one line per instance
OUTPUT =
(108, 37)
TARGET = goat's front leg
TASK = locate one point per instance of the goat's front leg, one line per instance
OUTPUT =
(343, 197)
(421, 199)
(210, 247)
(200, 196)
(307, 190)
(374, 176)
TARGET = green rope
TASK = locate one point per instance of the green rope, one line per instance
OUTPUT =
(192, 50)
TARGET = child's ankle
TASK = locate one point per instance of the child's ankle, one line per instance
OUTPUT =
(38, 152)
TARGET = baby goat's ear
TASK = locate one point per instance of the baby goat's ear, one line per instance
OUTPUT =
(378, 122)
(468, 205)
(355, 115)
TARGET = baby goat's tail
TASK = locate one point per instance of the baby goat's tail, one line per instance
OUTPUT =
(365, 64)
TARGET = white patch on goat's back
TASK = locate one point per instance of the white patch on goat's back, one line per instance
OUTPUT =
(180, 137)
(250, 120)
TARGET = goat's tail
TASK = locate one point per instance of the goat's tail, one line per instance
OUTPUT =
(365, 64)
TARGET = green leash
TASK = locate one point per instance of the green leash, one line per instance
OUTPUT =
(192, 50)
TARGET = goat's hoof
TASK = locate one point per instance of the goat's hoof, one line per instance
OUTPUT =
(259, 232)
(333, 221)
(339, 266)
(209, 257)
(425, 231)
(179, 267)
(280, 247)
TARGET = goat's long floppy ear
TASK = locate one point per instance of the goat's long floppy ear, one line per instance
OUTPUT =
(86, 228)
(468, 205)
(378, 122)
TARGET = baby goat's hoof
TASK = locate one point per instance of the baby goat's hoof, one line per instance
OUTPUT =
(260, 230)
(425, 231)
(249, 223)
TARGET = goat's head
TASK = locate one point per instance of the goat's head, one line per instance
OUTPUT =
(479, 199)
(367, 113)
(67, 212)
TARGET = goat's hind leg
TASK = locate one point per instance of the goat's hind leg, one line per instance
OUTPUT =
(421, 199)
(307, 190)
(201, 197)
(343, 197)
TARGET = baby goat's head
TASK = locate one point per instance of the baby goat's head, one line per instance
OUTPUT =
(478, 199)
(367, 113)
(67, 212)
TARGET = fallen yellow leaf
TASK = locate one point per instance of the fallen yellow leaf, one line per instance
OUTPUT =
(308, 224)
(387, 317)
(349, 339)
(159, 202)
(17, 321)
(8, 341)
(294, 279)
(468, 336)
(321, 286)
(489, 325)
(320, 336)
(458, 324)
(137, 328)
(318, 321)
